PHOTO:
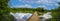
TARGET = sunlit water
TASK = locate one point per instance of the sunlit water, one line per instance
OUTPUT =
(21, 16)
(24, 16)
(45, 16)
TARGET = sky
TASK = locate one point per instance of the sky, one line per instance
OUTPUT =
(46, 4)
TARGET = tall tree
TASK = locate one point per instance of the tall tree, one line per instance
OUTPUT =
(4, 11)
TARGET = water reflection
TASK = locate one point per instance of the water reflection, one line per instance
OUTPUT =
(21, 16)
(24, 16)
(46, 16)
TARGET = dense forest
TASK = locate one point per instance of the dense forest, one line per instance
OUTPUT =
(5, 10)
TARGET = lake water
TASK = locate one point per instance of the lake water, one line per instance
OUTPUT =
(45, 16)
(24, 16)
(21, 16)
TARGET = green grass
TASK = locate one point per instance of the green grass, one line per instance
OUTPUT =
(56, 16)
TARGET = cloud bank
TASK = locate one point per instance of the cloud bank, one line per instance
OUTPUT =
(46, 4)
(23, 6)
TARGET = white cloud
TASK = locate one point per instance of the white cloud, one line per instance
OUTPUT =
(58, 0)
(19, 0)
(23, 6)
(45, 2)
(37, 1)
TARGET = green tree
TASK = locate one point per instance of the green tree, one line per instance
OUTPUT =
(4, 11)
(56, 14)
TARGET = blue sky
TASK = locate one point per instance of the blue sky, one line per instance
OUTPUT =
(46, 4)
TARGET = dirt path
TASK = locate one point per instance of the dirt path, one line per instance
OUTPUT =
(34, 17)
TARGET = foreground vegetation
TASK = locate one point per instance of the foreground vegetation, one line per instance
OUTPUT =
(4, 11)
